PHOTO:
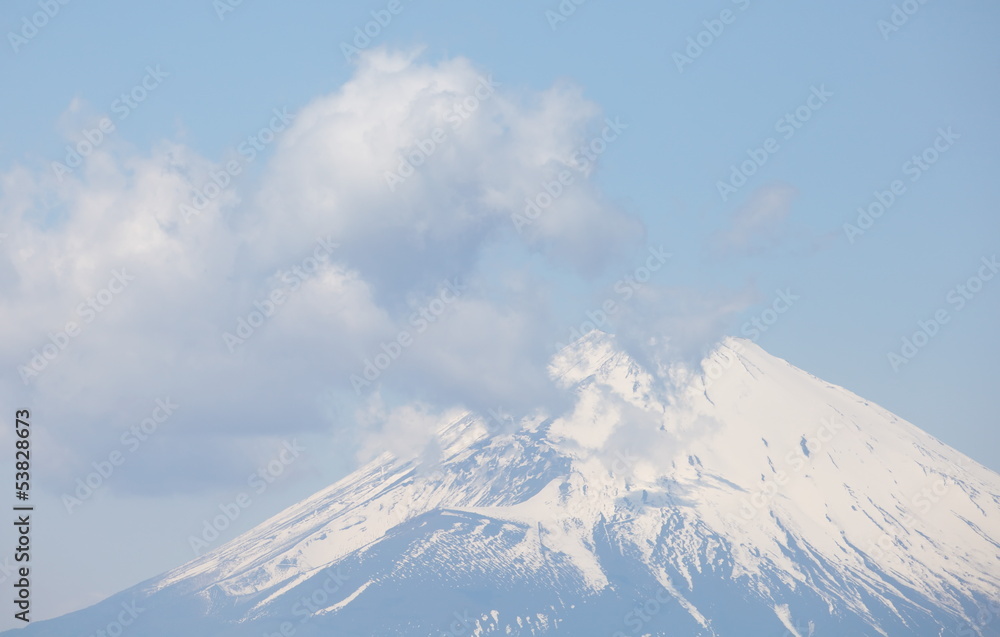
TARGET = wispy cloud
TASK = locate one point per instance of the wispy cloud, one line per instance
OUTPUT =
(758, 225)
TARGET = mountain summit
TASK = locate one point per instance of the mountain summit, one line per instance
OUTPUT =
(746, 498)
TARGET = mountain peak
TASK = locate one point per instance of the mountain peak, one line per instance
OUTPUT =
(740, 497)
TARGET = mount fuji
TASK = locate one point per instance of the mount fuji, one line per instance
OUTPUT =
(741, 497)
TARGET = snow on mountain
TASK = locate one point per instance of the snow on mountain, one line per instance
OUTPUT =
(743, 498)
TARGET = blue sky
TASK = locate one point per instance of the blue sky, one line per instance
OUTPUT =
(864, 99)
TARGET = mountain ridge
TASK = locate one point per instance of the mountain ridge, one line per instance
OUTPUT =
(744, 497)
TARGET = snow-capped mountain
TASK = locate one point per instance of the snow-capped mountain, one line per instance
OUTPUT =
(749, 498)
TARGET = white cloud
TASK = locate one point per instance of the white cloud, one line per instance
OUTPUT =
(329, 174)
(666, 325)
(195, 279)
(405, 432)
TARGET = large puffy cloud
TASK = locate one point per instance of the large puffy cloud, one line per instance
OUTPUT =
(411, 164)
(356, 257)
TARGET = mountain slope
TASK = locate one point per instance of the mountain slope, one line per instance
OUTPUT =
(749, 498)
